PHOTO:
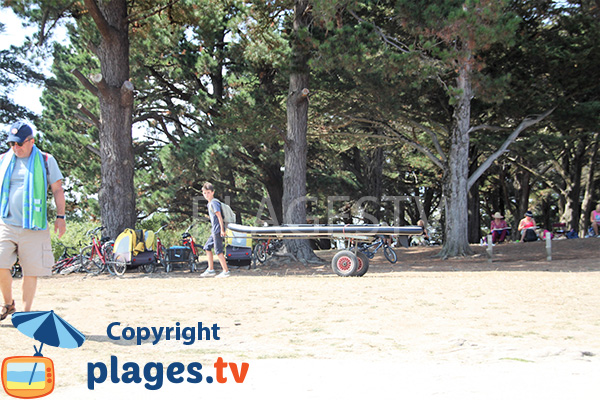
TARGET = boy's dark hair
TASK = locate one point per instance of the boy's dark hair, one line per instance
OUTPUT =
(208, 186)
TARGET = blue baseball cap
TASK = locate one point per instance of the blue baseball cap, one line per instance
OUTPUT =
(19, 131)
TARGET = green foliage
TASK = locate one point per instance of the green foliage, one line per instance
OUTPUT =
(211, 80)
(74, 237)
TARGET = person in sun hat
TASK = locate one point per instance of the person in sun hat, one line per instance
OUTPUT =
(527, 228)
(25, 174)
(499, 228)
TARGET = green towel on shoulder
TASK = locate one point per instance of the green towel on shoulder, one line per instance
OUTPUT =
(35, 189)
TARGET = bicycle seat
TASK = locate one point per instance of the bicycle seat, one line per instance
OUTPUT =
(185, 235)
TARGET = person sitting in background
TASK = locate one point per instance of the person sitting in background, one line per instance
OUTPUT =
(422, 239)
(499, 228)
(595, 220)
(527, 228)
(421, 223)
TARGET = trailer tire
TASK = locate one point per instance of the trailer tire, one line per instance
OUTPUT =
(344, 263)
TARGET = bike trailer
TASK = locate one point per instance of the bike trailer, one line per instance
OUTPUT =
(238, 255)
(238, 239)
(134, 247)
(178, 254)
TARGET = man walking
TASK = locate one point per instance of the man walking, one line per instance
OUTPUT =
(25, 173)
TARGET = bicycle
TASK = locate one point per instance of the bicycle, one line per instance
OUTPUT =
(370, 249)
(266, 248)
(161, 253)
(98, 256)
(188, 241)
(68, 262)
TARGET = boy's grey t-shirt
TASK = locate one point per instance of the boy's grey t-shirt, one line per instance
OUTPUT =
(17, 184)
(213, 206)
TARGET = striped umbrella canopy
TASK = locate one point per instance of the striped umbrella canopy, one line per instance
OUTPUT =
(48, 328)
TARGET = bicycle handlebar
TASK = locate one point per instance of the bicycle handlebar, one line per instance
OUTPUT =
(189, 227)
(93, 231)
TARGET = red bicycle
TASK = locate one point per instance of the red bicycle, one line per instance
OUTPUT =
(188, 241)
(161, 250)
(266, 248)
(69, 261)
(98, 256)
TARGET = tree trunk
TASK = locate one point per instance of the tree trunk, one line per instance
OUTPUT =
(374, 185)
(456, 180)
(115, 96)
(572, 208)
(523, 205)
(587, 204)
(474, 214)
(294, 177)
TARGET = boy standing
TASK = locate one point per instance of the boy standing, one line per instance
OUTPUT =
(217, 233)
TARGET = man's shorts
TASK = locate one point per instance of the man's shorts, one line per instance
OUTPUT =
(216, 241)
(33, 249)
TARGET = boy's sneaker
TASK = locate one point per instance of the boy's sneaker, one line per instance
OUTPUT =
(208, 272)
(224, 274)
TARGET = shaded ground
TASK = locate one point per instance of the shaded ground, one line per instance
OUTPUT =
(574, 255)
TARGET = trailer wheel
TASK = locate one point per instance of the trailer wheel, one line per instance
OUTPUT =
(344, 263)
(147, 268)
(363, 264)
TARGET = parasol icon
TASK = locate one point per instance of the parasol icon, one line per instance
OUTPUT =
(48, 328)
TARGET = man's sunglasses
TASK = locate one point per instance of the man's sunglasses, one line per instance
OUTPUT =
(12, 144)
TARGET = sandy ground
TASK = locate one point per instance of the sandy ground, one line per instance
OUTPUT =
(519, 327)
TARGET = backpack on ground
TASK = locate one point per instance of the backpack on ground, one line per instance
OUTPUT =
(226, 212)
(530, 236)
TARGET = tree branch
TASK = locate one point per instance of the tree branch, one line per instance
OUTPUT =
(432, 135)
(527, 122)
(93, 149)
(105, 29)
(136, 17)
(539, 174)
(98, 79)
(299, 96)
(92, 118)
(392, 42)
(439, 163)
(85, 82)
(127, 94)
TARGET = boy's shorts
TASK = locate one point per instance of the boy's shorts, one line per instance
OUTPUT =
(33, 249)
(215, 241)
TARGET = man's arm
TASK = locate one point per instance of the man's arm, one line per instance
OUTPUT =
(220, 217)
(58, 193)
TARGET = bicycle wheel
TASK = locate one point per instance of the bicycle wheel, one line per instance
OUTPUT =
(162, 259)
(90, 260)
(259, 252)
(193, 262)
(390, 254)
(363, 264)
(107, 252)
(118, 267)
(60, 265)
(344, 263)
(13, 271)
